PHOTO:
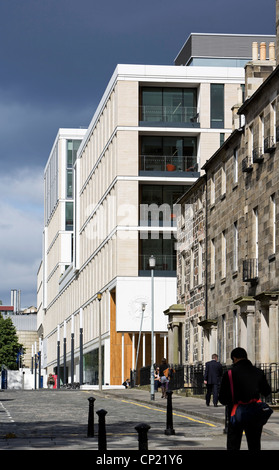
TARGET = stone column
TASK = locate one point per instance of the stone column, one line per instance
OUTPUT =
(269, 302)
(176, 345)
(210, 328)
(273, 331)
(251, 351)
(247, 311)
(176, 318)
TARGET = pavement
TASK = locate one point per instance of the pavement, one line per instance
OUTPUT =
(190, 406)
(193, 406)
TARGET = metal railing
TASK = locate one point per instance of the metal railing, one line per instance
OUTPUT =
(171, 114)
(163, 263)
(191, 377)
(168, 163)
(269, 144)
(247, 164)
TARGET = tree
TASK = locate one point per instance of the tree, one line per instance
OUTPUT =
(10, 348)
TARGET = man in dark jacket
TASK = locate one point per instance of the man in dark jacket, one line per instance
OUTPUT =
(212, 379)
(249, 383)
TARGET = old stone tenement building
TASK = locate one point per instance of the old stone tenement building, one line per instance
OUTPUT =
(228, 234)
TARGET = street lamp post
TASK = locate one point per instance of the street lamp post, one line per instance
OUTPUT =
(81, 346)
(99, 297)
(58, 356)
(152, 263)
(143, 305)
(65, 353)
(72, 349)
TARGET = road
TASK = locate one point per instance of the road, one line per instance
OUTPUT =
(58, 420)
(49, 418)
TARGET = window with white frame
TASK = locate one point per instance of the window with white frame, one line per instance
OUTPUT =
(273, 222)
(235, 246)
(224, 255)
(235, 329)
(235, 166)
(273, 121)
(200, 268)
(212, 262)
(223, 179)
(212, 189)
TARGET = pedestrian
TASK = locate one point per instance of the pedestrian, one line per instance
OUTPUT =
(249, 383)
(156, 379)
(50, 381)
(212, 379)
(164, 377)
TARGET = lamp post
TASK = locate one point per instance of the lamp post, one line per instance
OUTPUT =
(65, 351)
(72, 349)
(99, 297)
(80, 346)
(152, 263)
(58, 356)
(143, 305)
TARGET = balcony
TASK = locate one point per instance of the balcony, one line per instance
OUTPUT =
(250, 270)
(247, 165)
(269, 145)
(169, 116)
(258, 155)
(169, 166)
(165, 265)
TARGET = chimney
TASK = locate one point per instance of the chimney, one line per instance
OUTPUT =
(271, 51)
(255, 53)
(263, 51)
(258, 69)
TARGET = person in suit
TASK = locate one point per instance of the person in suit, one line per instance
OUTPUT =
(212, 379)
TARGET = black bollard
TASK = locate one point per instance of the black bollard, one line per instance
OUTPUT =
(169, 431)
(142, 430)
(102, 438)
(90, 429)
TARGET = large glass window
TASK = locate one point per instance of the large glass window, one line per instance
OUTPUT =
(217, 105)
(163, 249)
(157, 204)
(175, 153)
(69, 222)
(174, 105)
(72, 148)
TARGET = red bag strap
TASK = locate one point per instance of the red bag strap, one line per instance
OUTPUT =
(231, 383)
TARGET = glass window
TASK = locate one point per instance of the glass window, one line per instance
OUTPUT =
(72, 148)
(217, 105)
(178, 152)
(69, 183)
(162, 248)
(164, 199)
(169, 104)
(69, 222)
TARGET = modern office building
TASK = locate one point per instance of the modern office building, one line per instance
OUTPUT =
(154, 128)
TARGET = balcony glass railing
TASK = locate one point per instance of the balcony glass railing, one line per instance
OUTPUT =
(152, 163)
(171, 114)
(163, 263)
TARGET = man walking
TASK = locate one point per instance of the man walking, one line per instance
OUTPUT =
(249, 383)
(212, 379)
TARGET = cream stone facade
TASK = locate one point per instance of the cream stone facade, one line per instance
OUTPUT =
(115, 177)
